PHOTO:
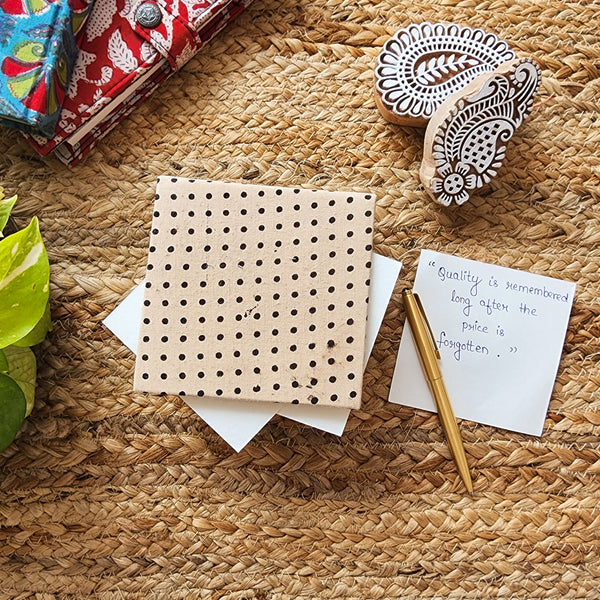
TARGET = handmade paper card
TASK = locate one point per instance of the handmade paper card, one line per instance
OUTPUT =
(238, 421)
(256, 293)
(500, 333)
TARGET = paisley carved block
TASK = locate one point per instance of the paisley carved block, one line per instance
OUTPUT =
(423, 64)
(465, 141)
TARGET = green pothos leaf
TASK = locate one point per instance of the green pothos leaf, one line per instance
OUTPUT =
(22, 369)
(24, 283)
(6, 206)
(38, 333)
(12, 410)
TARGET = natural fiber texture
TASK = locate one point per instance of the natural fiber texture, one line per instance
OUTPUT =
(109, 494)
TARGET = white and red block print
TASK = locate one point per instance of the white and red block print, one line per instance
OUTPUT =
(115, 51)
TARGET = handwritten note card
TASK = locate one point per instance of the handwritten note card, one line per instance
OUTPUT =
(500, 333)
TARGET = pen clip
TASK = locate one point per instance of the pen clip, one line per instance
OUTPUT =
(435, 347)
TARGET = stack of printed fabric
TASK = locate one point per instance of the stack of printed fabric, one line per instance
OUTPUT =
(70, 73)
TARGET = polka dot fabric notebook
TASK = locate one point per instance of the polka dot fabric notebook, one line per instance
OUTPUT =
(256, 293)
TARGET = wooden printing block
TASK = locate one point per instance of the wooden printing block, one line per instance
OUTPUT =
(465, 141)
(423, 64)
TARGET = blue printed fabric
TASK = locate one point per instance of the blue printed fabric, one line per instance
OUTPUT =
(37, 54)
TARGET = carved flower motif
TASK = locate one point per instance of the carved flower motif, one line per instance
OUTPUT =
(454, 183)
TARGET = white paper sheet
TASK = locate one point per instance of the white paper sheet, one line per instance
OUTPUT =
(124, 320)
(238, 421)
(500, 333)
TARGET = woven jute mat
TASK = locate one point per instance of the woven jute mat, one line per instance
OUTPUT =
(112, 494)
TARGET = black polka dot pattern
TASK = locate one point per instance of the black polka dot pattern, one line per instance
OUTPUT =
(256, 293)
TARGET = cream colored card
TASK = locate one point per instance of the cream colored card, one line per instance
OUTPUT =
(256, 293)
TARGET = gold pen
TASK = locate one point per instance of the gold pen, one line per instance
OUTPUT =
(429, 355)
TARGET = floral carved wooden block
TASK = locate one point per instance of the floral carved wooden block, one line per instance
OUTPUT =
(465, 141)
(423, 64)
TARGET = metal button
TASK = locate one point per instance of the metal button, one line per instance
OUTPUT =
(148, 15)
